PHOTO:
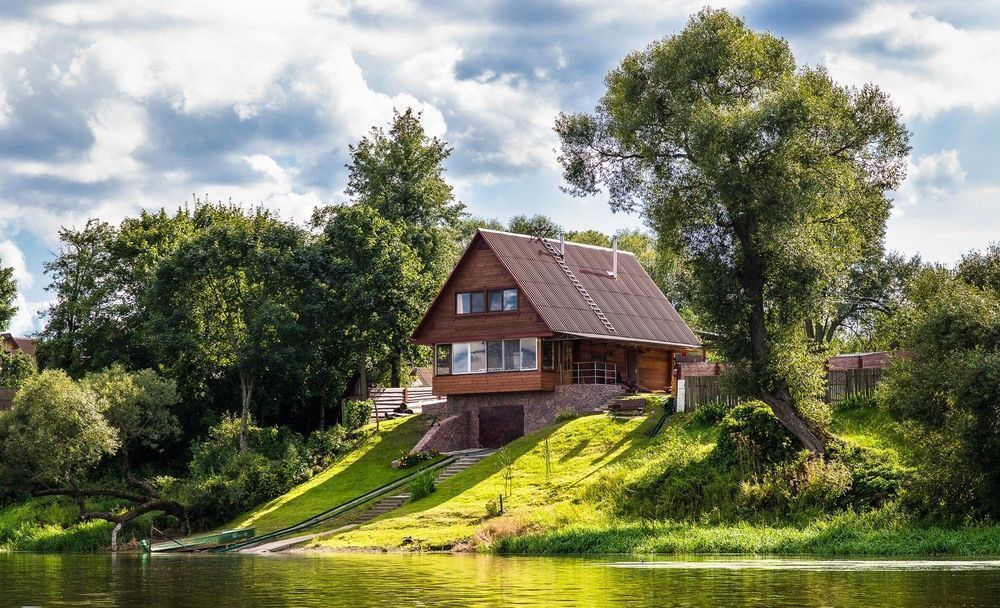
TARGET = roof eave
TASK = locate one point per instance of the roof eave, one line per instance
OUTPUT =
(614, 338)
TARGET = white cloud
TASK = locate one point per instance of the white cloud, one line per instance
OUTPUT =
(118, 129)
(926, 63)
(968, 219)
(931, 180)
(12, 257)
(27, 321)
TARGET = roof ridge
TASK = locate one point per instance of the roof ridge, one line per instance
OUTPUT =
(575, 244)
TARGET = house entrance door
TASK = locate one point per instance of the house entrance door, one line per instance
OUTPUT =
(500, 424)
(632, 364)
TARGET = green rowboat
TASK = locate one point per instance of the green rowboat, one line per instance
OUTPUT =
(200, 543)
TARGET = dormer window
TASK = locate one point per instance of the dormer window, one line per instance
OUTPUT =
(469, 302)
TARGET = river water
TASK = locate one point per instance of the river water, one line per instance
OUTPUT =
(356, 580)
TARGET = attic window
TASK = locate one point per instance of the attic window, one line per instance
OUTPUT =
(502, 300)
(469, 302)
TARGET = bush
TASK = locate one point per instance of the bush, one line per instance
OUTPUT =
(422, 485)
(324, 447)
(409, 459)
(566, 414)
(856, 401)
(357, 414)
(493, 508)
(752, 439)
(15, 368)
(224, 483)
(711, 413)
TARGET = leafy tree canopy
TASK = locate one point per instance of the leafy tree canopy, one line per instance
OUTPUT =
(8, 294)
(766, 177)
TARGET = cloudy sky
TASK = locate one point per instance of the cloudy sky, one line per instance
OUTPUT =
(108, 106)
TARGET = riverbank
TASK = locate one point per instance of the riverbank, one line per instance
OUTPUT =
(580, 487)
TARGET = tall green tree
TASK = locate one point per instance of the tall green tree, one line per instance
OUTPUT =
(859, 298)
(768, 177)
(100, 279)
(374, 278)
(541, 226)
(82, 324)
(8, 294)
(224, 302)
(400, 174)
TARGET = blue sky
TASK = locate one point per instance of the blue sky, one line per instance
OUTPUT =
(110, 106)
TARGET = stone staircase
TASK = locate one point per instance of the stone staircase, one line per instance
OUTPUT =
(464, 460)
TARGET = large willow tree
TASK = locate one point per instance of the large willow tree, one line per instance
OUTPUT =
(768, 177)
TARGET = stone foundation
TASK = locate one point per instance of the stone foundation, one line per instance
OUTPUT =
(458, 417)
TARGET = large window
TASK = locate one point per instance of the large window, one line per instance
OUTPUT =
(502, 299)
(469, 302)
(443, 359)
(477, 357)
(511, 355)
(460, 358)
(489, 356)
(529, 353)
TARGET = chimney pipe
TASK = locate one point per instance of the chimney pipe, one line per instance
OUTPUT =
(562, 244)
(614, 255)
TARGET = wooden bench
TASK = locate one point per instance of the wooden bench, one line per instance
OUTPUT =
(628, 407)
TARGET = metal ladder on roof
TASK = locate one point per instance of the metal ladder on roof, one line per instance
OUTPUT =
(579, 286)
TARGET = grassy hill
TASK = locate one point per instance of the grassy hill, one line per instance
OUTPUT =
(362, 470)
(605, 476)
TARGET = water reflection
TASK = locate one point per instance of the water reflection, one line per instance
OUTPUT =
(357, 580)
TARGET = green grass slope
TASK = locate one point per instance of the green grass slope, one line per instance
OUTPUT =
(598, 463)
(456, 512)
(364, 469)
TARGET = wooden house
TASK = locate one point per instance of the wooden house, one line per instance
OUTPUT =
(522, 320)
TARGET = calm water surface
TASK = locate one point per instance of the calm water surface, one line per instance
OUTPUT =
(354, 580)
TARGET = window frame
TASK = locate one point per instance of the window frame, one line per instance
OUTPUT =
(438, 348)
(472, 298)
(511, 349)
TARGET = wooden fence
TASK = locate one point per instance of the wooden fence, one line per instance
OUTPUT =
(699, 390)
(847, 375)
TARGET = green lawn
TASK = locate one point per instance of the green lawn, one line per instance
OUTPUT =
(364, 469)
(457, 510)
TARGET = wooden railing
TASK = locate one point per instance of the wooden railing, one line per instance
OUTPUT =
(591, 372)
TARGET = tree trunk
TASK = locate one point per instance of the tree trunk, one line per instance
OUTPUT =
(114, 537)
(777, 396)
(246, 391)
(394, 371)
(322, 415)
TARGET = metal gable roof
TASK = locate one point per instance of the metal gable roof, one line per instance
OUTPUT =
(632, 302)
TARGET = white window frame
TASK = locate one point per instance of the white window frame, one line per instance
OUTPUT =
(466, 348)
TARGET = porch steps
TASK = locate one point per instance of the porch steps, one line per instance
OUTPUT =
(579, 286)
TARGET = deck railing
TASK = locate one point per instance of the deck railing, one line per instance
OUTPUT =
(591, 372)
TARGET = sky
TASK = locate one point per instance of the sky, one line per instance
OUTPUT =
(112, 106)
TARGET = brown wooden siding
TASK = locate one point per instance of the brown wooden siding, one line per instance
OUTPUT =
(498, 382)
(653, 369)
(480, 270)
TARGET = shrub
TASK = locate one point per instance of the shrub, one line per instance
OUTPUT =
(566, 414)
(751, 438)
(711, 413)
(224, 482)
(324, 447)
(409, 459)
(15, 368)
(856, 401)
(357, 414)
(422, 485)
(493, 508)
